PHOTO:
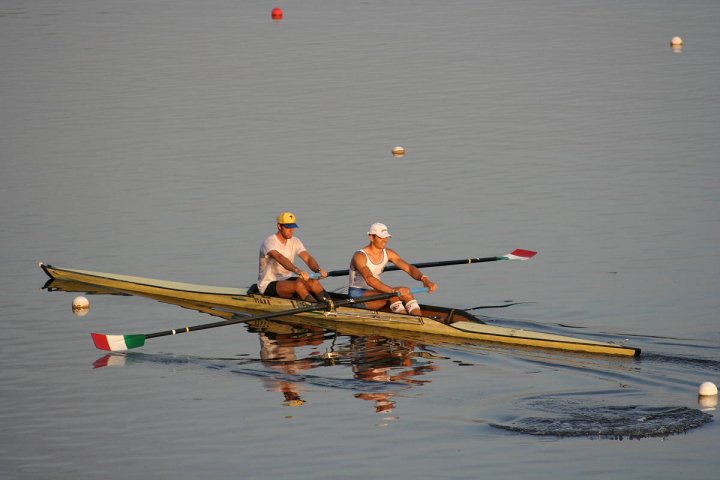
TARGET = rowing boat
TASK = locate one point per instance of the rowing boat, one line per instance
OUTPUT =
(437, 321)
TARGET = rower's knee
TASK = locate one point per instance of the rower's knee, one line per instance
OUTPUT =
(301, 290)
(407, 297)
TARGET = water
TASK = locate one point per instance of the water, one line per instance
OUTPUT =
(161, 138)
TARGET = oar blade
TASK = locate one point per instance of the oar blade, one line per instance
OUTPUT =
(117, 343)
(520, 254)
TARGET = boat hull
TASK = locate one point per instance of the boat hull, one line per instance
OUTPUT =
(233, 302)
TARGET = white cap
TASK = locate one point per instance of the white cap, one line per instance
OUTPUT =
(379, 229)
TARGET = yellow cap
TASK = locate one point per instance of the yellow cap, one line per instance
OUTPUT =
(287, 219)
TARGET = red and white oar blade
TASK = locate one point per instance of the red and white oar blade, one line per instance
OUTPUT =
(520, 254)
(117, 343)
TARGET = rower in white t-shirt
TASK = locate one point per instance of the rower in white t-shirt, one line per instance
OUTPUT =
(277, 274)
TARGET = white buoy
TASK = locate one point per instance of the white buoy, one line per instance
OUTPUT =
(676, 42)
(80, 303)
(708, 403)
(707, 389)
(398, 151)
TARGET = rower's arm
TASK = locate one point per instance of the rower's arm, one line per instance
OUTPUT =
(310, 261)
(284, 261)
(411, 270)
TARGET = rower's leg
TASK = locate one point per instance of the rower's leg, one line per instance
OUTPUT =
(318, 290)
(378, 304)
(413, 307)
(290, 288)
(398, 307)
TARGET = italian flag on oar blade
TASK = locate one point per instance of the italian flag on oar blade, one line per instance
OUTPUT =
(117, 343)
(520, 254)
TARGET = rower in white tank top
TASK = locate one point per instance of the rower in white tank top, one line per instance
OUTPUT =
(364, 275)
(357, 281)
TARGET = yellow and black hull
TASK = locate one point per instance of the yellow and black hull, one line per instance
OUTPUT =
(229, 302)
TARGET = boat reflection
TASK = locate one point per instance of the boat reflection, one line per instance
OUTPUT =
(382, 367)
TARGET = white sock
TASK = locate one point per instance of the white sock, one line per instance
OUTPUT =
(412, 306)
(397, 307)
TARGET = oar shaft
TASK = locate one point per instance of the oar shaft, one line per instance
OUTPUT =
(449, 262)
(390, 268)
(518, 254)
(307, 308)
(116, 343)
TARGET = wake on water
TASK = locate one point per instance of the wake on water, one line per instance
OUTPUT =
(563, 417)
(571, 418)
(548, 415)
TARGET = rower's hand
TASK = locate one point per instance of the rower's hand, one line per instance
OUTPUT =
(429, 285)
(304, 275)
(404, 293)
(320, 274)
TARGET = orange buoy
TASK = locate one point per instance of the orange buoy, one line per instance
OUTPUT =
(277, 13)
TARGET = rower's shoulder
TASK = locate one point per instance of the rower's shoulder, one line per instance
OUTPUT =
(359, 255)
(392, 254)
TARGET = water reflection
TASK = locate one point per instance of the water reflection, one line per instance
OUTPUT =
(373, 360)
(381, 367)
(279, 352)
(293, 359)
(379, 359)
(297, 360)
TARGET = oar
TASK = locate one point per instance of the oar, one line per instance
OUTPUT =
(116, 343)
(517, 254)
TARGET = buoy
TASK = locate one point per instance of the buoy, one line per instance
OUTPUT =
(277, 13)
(81, 303)
(708, 403)
(707, 389)
(398, 151)
(676, 42)
(80, 306)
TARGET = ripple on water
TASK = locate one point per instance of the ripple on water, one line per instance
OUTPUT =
(570, 418)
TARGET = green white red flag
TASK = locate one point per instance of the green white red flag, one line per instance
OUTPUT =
(117, 343)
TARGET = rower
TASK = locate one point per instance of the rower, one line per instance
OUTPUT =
(367, 266)
(278, 276)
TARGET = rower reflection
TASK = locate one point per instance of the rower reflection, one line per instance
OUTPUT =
(376, 359)
(278, 352)
(379, 359)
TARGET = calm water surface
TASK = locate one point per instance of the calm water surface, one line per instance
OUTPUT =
(161, 138)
